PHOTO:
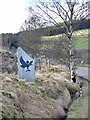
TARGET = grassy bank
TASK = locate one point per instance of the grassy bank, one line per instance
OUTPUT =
(79, 107)
(49, 97)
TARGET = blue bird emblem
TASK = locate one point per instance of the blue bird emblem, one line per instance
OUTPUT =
(26, 64)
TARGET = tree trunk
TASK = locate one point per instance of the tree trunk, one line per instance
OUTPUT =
(72, 66)
(72, 63)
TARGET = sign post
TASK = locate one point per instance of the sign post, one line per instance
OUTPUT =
(26, 66)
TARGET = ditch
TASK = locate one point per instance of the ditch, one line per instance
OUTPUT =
(79, 106)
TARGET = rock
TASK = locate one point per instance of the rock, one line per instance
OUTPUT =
(76, 95)
(67, 97)
(60, 113)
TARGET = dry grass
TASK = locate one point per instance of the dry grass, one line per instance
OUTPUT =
(47, 98)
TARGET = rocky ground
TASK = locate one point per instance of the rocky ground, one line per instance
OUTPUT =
(49, 97)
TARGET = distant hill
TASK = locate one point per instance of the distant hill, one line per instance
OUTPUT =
(11, 40)
(56, 46)
(80, 38)
(31, 41)
(54, 30)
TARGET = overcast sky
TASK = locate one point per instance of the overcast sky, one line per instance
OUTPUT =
(12, 15)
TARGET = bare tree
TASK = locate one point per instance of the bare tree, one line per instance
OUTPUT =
(71, 12)
(33, 22)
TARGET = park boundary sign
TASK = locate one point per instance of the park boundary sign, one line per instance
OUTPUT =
(26, 66)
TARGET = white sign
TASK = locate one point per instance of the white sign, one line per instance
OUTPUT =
(26, 66)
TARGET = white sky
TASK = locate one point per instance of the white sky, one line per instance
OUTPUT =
(12, 15)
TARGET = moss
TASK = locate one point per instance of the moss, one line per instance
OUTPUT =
(71, 89)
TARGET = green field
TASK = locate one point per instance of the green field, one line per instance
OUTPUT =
(80, 38)
(81, 43)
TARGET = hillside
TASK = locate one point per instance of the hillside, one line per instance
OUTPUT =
(80, 39)
(37, 43)
(31, 39)
(49, 97)
(56, 47)
(52, 92)
(44, 99)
